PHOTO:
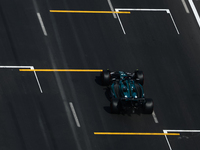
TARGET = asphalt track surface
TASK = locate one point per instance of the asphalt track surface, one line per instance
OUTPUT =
(62, 110)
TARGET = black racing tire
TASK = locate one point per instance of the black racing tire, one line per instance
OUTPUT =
(105, 76)
(139, 76)
(116, 90)
(114, 106)
(148, 106)
(139, 90)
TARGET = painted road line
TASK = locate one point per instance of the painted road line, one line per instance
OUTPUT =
(185, 6)
(132, 133)
(14, 67)
(121, 24)
(63, 70)
(167, 140)
(194, 11)
(190, 131)
(168, 11)
(112, 9)
(30, 68)
(184, 131)
(139, 9)
(154, 117)
(97, 12)
(74, 114)
(42, 24)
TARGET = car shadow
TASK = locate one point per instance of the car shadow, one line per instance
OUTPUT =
(107, 93)
(98, 80)
(105, 88)
(122, 112)
(107, 109)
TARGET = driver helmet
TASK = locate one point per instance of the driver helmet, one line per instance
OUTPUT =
(124, 89)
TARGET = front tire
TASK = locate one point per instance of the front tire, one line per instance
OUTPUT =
(148, 106)
(114, 106)
(105, 76)
(139, 76)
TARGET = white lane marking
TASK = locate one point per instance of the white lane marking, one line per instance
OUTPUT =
(138, 9)
(21, 67)
(185, 6)
(194, 11)
(167, 140)
(121, 23)
(14, 67)
(42, 24)
(166, 131)
(154, 117)
(191, 131)
(32, 68)
(168, 11)
(74, 114)
(111, 7)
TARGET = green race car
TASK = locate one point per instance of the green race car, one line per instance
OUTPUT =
(126, 92)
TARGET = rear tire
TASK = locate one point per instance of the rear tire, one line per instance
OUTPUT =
(114, 106)
(139, 90)
(148, 106)
(139, 76)
(105, 76)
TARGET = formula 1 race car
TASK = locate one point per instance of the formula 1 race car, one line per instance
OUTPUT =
(126, 92)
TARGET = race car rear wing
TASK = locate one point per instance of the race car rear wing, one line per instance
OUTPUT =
(134, 99)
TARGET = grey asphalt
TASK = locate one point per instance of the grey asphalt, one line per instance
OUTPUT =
(32, 120)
